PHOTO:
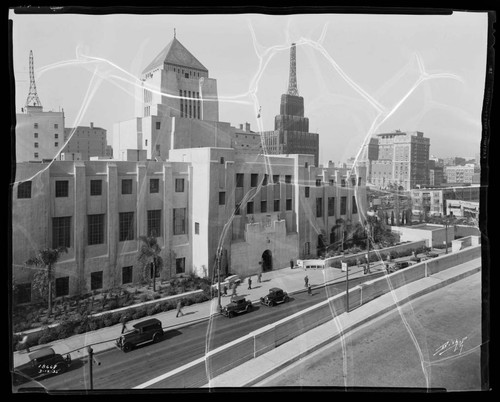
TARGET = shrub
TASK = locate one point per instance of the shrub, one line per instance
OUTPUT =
(144, 298)
(112, 304)
(156, 296)
(139, 313)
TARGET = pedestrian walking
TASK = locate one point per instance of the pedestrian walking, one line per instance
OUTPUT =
(234, 290)
(124, 326)
(291, 264)
(249, 282)
(306, 281)
(179, 309)
(259, 277)
(224, 289)
(309, 290)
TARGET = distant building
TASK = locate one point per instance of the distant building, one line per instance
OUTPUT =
(246, 141)
(454, 161)
(459, 174)
(436, 175)
(291, 129)
(432, 201)
(403, 160)
(88, 141)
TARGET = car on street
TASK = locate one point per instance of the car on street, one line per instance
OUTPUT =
(42, 362)
(275, 296)
(402, 264)
(237, 305)
(144, 332)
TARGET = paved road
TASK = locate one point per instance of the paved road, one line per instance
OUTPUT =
(120, 370)
(446, 324)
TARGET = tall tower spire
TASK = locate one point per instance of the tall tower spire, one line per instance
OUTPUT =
(292, 82)
(32, 100)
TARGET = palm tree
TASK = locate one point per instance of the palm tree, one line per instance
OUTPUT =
(149, 257)
(43, 279)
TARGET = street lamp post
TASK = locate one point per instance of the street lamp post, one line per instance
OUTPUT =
(219, 255)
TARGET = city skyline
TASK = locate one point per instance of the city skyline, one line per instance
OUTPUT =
(83, 66)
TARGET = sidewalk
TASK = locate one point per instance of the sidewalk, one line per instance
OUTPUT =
(290, 280)
(261, 370)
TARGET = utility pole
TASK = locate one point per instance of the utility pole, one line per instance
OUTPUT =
(219, 255)
(346, 286)
(92, 360)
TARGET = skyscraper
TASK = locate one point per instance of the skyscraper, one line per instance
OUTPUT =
(291, 129)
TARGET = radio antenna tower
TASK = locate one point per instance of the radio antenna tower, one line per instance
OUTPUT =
(292, 82)
(32, 100)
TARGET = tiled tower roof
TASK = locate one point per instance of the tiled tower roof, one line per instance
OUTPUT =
(175, 53)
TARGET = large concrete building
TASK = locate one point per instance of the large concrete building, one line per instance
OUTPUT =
(265, 209)
(179, 109)
(403, 159)
(87, 141)
(433, 201)
(291, 128)
(459, 174)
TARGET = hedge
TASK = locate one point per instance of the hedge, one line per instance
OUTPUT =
(377, 256)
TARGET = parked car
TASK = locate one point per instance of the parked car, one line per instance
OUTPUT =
(43, 362)
(237, 305)
(402, 264)
(144, 332)
(275, 296)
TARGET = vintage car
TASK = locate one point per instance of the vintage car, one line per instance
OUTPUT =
(43, 362)
(237, 305)
(275, 296)
(145, 331)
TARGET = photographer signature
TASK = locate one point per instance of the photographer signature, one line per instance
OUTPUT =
(455, 345)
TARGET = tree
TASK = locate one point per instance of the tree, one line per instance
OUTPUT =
(340, 224)
(149, 257)
(44, 279)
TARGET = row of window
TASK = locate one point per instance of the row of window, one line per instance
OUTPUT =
(254, 177)
(96, 281)
(263, 206)
(62, 187)
(61, 227)
(56, 144)
(35, 135)
(35, 125)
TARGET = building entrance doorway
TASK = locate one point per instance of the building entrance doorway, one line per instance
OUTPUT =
(267, 261)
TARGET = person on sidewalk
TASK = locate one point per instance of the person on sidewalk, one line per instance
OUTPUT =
(309, 290)
(259, 277)
(249, 282)
(179, 309)
(224, 290)
(306, 281)
(234, 291)
(291, 264)
(124, 326)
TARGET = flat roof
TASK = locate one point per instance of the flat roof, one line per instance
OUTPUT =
(426, 226)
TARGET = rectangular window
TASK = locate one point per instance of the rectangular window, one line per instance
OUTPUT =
(342, 183)
(343, 205)
(359, 181)
(179, 221)
(179, 185)
(23, 293)
(35, 154)
(239, 179)
(276, 178)
(288, 179)
(62, 286)
(24, 190)
(56, 125)
(288, 204)
(196, 228)
(158, 125)
(36, 145)
(35, 125)
(56, 135)
(61, 231)
(35, 135)
(276, 205)
(331, 206)
(263, 206)
(126, 226)
(180, 265)
(154, 223)
(254, 180)
(250, 207)
(154, 186)
(127, 186)
(95, 229)
(354, 205)
(95, 280)
(331, 182)
(307, 192)
(319, 207)
(264, 182)
(318, 182)
(222, 198)
(127, 274)
(95, 187)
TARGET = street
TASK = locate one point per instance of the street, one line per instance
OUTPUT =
(120, 370)
(446, 326)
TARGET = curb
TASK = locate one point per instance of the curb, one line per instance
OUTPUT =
(281, 366)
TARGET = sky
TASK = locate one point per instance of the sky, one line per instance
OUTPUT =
(359, 74)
